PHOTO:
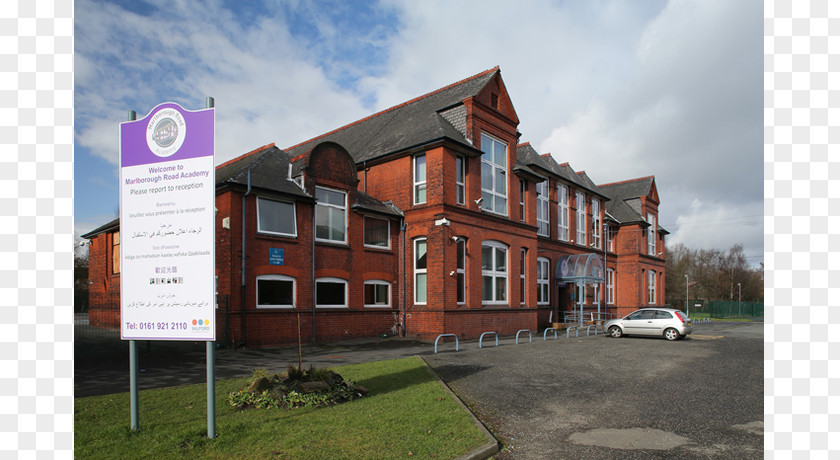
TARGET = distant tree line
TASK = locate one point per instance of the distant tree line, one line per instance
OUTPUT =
(712, 275)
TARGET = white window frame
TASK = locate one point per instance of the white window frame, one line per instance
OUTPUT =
(387, 237)
(331, 280)
(562, 212)
(271, 232)
(651, 219)
(543, 214)
(580, 224)
(610, 300)
(275, 277)
(523, 266)
(460, 174)
(543, 284)
(523, 189)
(597, 293)
(596, 223)
(387, 294)
(421, 272)
(490, 146)
(494, 273)
(342, 208)
(461, 271)
(419, 184)
(651, 287)
(610, 239)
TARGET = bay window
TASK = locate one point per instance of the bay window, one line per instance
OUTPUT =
(377, 232)
(276, 217)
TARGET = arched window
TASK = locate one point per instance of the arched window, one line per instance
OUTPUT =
(330, 293)
(377, 293)
(275, 291)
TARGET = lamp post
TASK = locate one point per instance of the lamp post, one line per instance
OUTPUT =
(739, 300)
(686, 295)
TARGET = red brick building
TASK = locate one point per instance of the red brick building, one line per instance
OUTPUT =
(426, 218)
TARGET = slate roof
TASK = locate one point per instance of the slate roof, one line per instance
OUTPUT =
(368, 203)
(543, 165)
(114, 224)
(412, 123)
(269, 167)
(625, 204)
(627, 189)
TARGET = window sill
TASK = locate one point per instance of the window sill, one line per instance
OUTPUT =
(277, 236)
(377, 248)
(337, 244)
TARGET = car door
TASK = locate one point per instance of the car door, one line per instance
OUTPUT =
(638, 322)
(661, 320)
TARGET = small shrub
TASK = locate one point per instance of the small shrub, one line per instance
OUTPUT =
(263, 391)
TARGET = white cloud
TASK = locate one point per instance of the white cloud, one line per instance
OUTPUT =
(265, 89)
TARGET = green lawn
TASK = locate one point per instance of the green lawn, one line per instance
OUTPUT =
(407, 414)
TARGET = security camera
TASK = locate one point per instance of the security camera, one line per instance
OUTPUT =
(479, 201)
(456, 238)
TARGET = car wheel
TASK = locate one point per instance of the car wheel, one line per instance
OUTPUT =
(671, 334)
(615, 332)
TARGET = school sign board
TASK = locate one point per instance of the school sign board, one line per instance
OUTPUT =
(167, 225)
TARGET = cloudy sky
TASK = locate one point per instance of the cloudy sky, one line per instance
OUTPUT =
(620, 89)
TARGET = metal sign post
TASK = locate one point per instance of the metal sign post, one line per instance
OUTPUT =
(167, 232)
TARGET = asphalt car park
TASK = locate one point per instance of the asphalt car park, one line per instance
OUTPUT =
(581, 397)
(633, 397)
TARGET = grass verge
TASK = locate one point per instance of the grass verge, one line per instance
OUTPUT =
(407, 413)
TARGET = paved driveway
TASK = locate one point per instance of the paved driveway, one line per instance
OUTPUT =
(598, 397)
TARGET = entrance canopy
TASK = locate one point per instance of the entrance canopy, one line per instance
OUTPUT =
(579, 268)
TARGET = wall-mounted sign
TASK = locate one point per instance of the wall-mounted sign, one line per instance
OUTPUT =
(276, 256)
(167, 225)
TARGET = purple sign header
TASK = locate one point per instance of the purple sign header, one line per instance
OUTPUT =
(169, 132)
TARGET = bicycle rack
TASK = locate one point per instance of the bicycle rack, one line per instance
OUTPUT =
(550, 329)
(446, 335)
(587, 330)
(523, 330)
(568, 329)
(482, 338)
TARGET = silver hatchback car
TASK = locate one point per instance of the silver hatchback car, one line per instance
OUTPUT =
(667, 322)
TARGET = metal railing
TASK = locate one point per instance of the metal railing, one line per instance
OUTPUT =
(546, 332)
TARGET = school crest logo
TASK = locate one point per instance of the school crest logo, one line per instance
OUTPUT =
(166, 132)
